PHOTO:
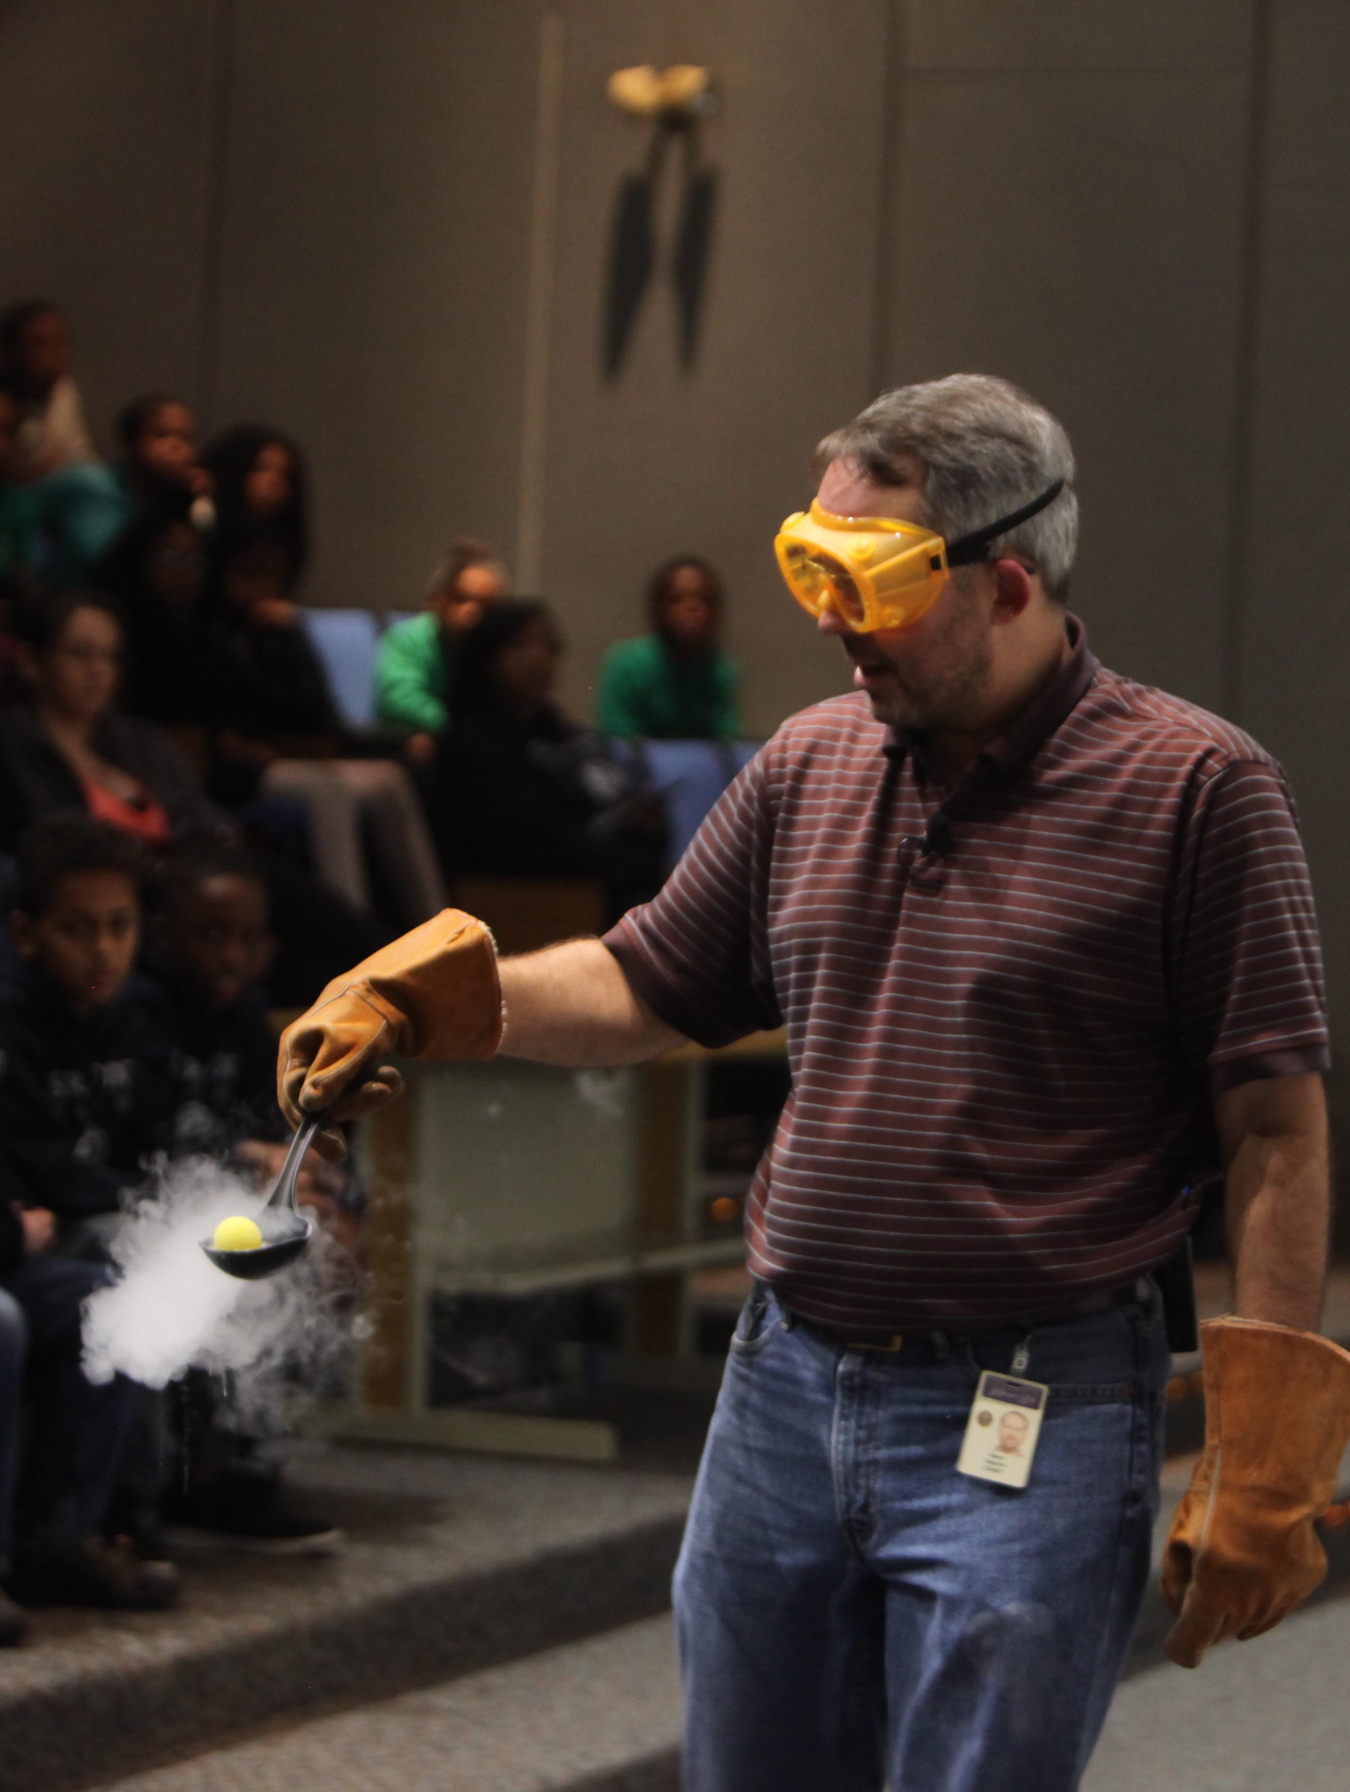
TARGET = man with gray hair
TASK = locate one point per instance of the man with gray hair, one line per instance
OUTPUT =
(1043, 942)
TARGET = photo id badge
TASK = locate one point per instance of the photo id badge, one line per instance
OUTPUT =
(1001, 1433)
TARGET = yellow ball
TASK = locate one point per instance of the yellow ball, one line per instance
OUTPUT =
(237, 1234)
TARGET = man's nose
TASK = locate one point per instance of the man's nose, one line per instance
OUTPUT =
(830, 622)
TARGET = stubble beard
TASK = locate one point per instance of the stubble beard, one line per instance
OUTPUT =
(942, 694)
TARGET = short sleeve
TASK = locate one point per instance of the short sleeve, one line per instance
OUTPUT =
(1245, 959)
(697, 953)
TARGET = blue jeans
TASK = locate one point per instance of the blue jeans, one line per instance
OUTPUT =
(854, 1613)
(13, 1349)
(79, 1429)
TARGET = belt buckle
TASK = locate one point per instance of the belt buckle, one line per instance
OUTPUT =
(897, 1342)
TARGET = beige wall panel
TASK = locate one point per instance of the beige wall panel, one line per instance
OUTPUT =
(710, 460)
(373, 269)
(1077, 34)
(1296, 594)
(1074, 221)
(104, 147)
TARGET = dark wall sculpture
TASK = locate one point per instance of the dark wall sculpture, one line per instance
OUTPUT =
(635, 255)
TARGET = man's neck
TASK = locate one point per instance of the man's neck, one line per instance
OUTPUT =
(951, 752)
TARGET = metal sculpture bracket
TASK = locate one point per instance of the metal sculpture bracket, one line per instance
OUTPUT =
(674, 102)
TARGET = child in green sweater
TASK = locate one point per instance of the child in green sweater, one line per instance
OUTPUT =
(675, 683)
(412, 672)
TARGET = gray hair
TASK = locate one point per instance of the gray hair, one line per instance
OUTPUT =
(986, 449)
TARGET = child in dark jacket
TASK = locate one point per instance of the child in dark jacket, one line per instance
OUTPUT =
(71, 1103)
(212, 944)
(85, 1094)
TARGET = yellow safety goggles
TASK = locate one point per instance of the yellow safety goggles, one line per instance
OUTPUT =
(876, 572)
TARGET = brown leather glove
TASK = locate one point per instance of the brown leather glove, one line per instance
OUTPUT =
(433, 993)
(1242, 1551)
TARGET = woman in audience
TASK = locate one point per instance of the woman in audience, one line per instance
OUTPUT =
(67, 746)
(412, 674)
(75, 504)
(159, 468)
(157, 573)
(16, 511)
(674, 683)
(79, 517)
(517, 788)
(35, 356)
(279, 732)
(259, 487)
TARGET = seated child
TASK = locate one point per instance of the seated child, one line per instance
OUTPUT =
(83, 1101)
(412, 672)
(212, 944)
(55, 1503)
(674, 683)
(85, 1096)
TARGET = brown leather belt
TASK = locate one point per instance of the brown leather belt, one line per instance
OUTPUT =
(958, 1329)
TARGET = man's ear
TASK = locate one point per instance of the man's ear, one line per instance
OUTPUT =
(1013, 586)
(21, 932)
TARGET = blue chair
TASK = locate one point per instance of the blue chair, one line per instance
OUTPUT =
(346, 641)
(691, 775)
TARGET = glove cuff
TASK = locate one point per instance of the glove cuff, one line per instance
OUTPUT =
(1277, 1403)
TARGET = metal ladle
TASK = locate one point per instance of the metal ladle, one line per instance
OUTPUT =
(285, 1230)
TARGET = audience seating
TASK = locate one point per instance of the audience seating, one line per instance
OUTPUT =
(691, 775)
(347, 642)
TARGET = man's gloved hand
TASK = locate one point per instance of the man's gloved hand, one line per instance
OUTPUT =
(1242, 1551)
(433, 993)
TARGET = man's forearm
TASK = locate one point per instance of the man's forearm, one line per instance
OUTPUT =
(571, 1005)
(1277, 1200)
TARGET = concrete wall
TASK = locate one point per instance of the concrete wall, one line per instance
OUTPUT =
(1068, 209)
(385, 228)
(373, 263)
(105, 122)
(1291, 642)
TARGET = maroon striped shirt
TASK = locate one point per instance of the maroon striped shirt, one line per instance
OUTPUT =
(1008, 1007)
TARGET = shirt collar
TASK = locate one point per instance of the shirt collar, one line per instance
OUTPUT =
(1048, 709)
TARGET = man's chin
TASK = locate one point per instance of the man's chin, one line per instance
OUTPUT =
(890, 708)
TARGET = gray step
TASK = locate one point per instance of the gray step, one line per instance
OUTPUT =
(1260, 1716)
(604, 1716)
(454, 1565)
(597, 1716)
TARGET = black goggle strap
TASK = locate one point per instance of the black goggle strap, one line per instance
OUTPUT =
(967, 550)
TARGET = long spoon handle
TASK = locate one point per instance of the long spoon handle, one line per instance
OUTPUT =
(283, 1195)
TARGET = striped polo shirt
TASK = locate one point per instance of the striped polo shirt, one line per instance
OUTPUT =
(1007, 1006)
